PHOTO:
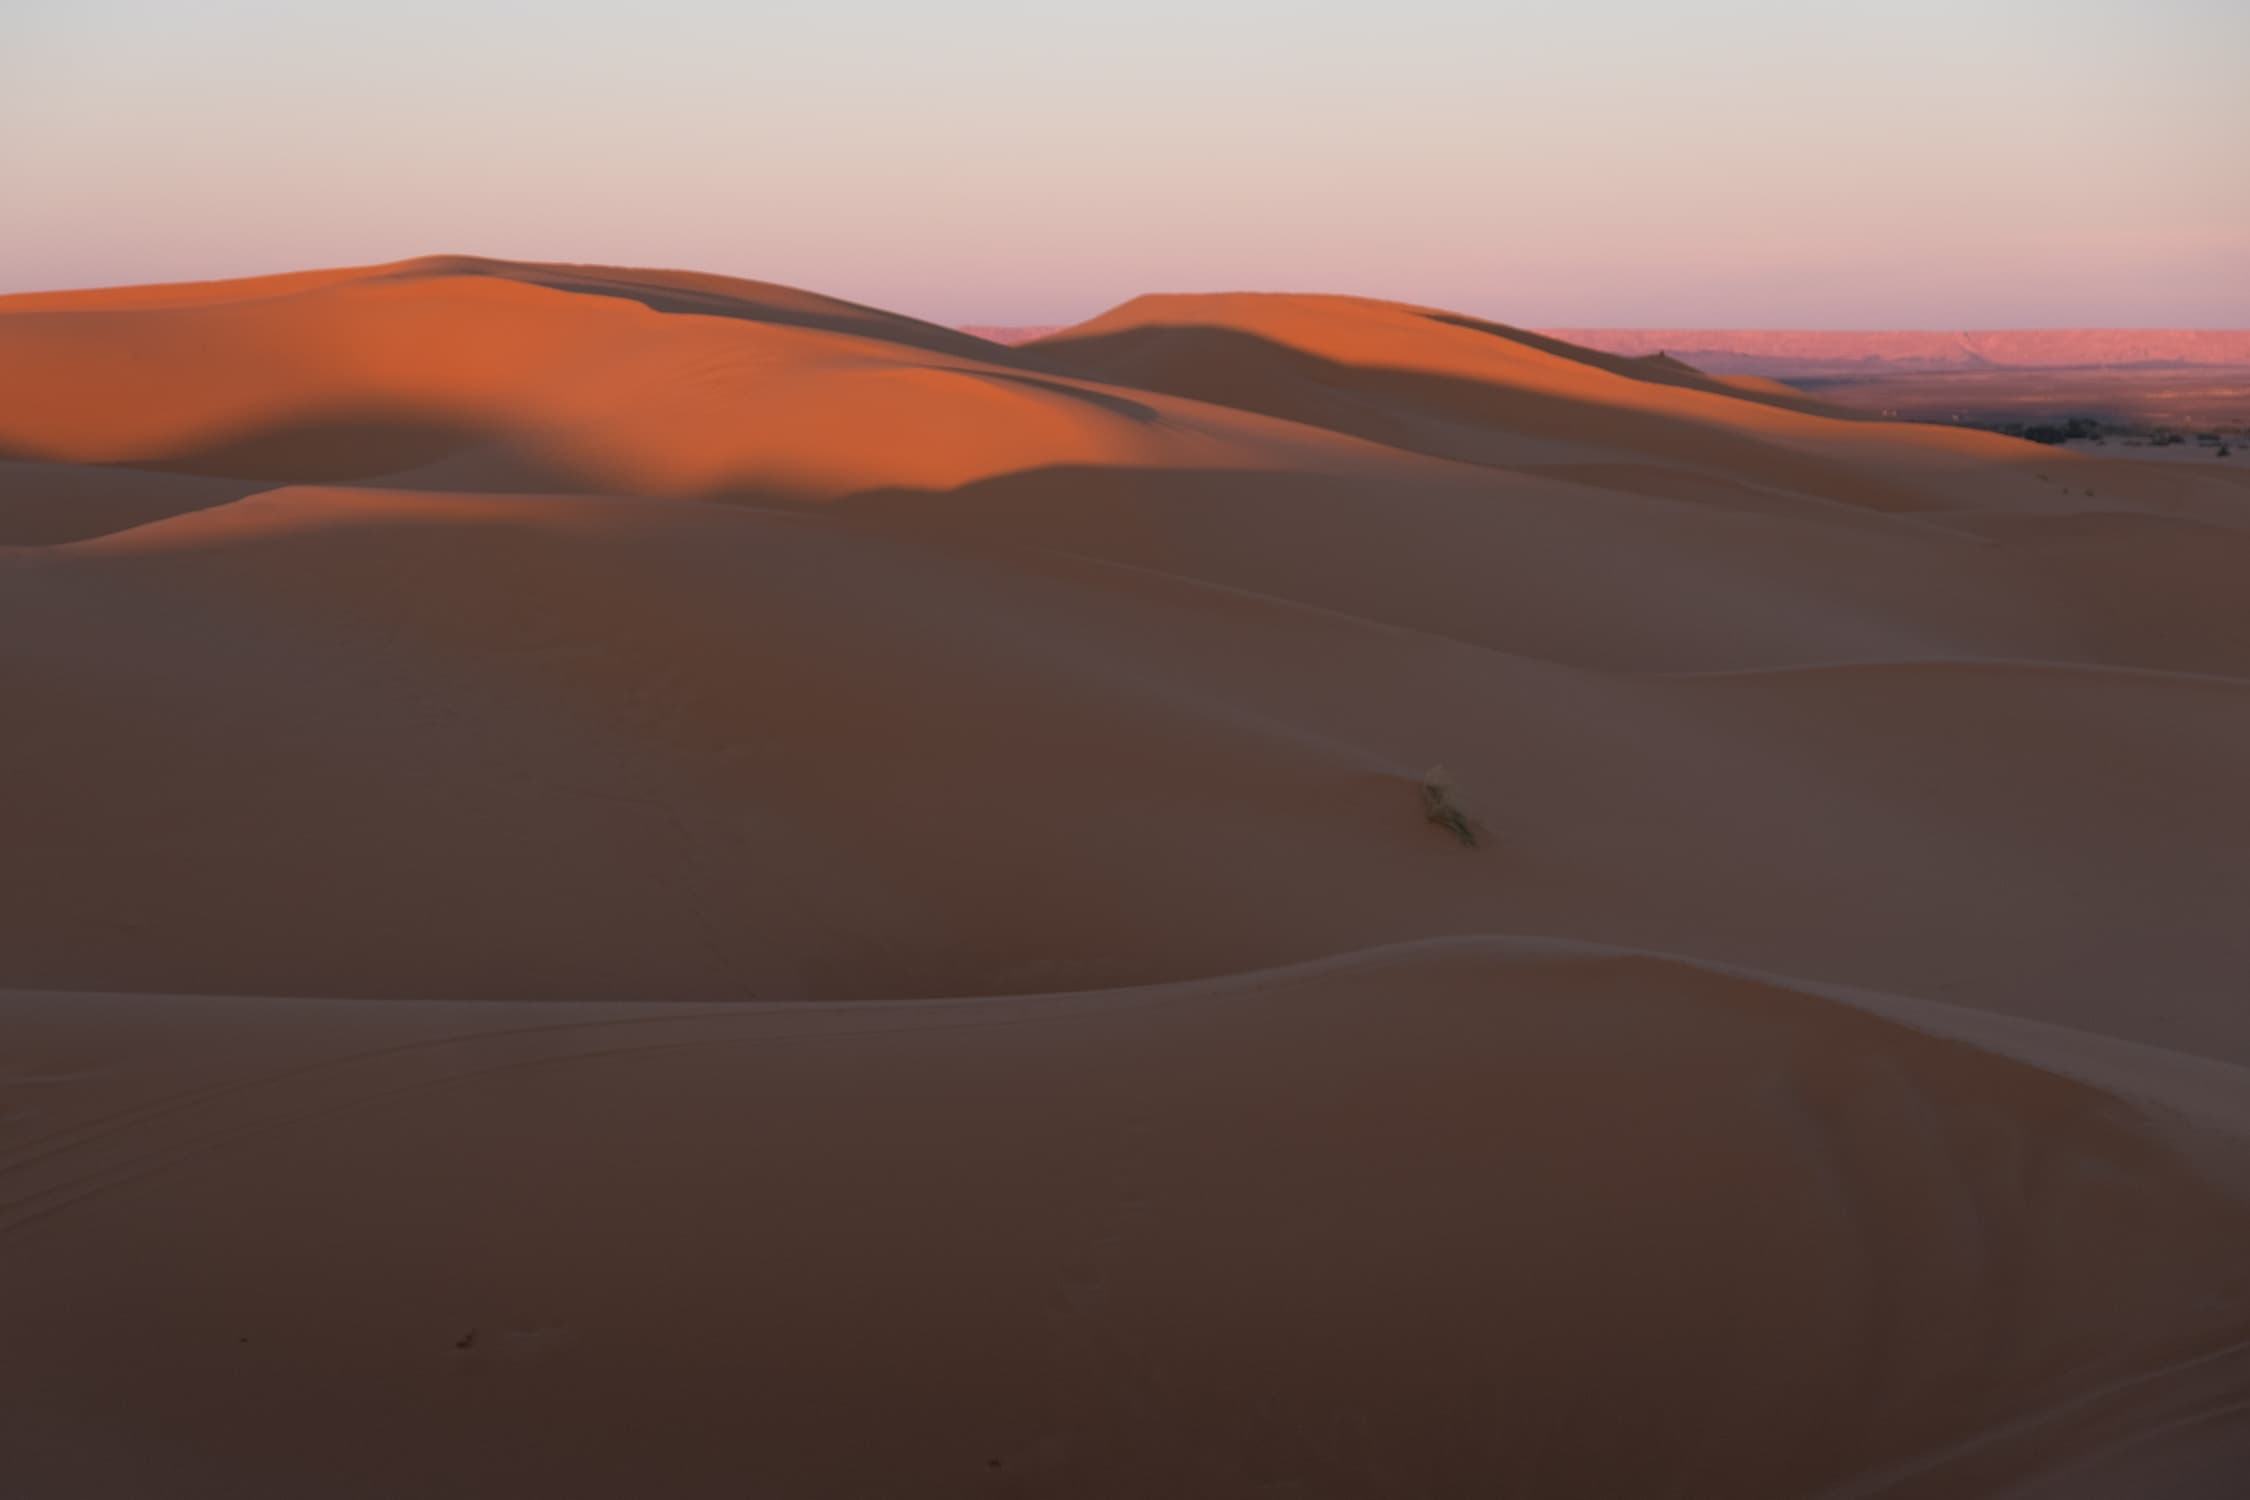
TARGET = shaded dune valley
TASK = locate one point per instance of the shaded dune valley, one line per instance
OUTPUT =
(632, 883)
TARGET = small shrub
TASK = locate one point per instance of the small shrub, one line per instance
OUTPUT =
(1439, 807)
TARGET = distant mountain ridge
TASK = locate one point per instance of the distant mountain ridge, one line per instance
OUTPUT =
(1813, 352)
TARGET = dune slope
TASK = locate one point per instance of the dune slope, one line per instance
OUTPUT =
(1449, 1220)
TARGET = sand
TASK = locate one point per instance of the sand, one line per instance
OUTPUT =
(622, 882)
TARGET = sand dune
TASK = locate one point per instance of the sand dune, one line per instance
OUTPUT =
(1436, 382)
(1758, 352)
(45, 503)
(467, 375)
(623, 881)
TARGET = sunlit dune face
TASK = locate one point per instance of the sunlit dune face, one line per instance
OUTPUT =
(784, 397)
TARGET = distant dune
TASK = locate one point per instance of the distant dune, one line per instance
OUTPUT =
(2146, 378)
(1785, 352)
(624, 882)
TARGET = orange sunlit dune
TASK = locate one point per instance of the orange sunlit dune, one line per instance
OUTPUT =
(636, 883)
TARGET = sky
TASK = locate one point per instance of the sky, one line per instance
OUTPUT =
(1721, 163)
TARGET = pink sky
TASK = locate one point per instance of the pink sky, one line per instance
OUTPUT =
(1984, 163)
